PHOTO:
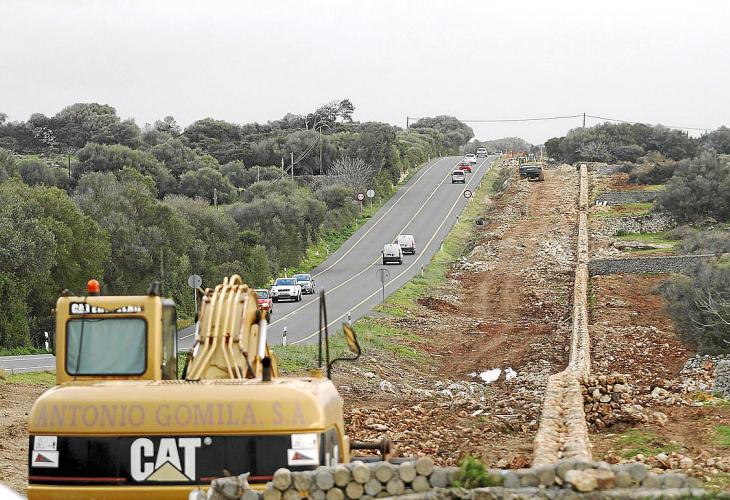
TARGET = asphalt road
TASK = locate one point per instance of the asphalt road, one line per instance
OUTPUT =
(426, 207)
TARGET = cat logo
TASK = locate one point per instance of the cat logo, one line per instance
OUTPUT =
(164, 464)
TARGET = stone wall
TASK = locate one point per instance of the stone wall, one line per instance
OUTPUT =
(622, 197)
(421, 480)
(722, 379)
(563, 431)
(650, 223)
(646, 265)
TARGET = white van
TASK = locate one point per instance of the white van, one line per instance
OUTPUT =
(392, 253)
(407, 243)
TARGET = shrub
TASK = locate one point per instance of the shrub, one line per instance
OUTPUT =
(699, 304)
(472, 474)
(699, 188)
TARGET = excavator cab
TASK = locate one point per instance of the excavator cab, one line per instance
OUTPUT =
(115, 337)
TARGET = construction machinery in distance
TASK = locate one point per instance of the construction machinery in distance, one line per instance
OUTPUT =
(532, 171)
(122, 423)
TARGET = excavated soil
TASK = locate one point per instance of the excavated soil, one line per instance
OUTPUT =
(15, 403)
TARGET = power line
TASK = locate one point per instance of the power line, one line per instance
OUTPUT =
(522, 119)
(703, 129)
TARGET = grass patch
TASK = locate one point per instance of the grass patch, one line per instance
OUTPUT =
(636, 441)
(297, 359)
(400, 302)
(722, 435)
(661, 237)
(47, 379)
(651, 187)
(625, 210)
(21, 351)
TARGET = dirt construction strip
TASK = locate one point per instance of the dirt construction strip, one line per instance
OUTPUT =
(563, 431)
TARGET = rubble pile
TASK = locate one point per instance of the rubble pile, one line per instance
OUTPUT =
(608, 400)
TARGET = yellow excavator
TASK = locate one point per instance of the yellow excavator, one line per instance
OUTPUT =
(121, 423)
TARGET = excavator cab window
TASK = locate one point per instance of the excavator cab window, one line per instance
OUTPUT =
(169, 342)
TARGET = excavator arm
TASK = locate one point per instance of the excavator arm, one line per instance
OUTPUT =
(231, 338)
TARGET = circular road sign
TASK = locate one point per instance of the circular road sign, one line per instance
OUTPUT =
(467, 193)
(360, 196)
(370, 193)
(194, 281)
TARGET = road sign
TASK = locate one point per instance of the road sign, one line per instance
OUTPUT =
(370, 193)
(383, 275)
(467, 194)
(359, 196)
(194, 281)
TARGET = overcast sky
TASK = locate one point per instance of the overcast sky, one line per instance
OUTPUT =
(651, 61)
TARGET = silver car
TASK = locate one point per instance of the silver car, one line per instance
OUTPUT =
(306, 282)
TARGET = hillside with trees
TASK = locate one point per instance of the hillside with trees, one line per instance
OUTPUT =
(86, 193)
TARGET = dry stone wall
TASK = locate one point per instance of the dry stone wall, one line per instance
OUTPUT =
(567, 479)
(649, 223)
(563, 430)
(647, 265)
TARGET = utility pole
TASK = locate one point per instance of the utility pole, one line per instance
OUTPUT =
(320, 150)
(258, 173)
(584, 120)
(215, 198)
(407, 118)
(282, 167)
(292, 165)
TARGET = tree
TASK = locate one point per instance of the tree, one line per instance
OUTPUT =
(37, 172)
(111, 158)
(719, 140)
(456, 133)
(7, 165)
(146, 235)
(699, 188)
(206, 182)
(352, 172)
(81, 123)
(168, 125)
(47, 245)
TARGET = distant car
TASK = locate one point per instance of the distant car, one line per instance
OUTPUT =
(407, 243)
(263, 300)
(306, 282)
(481, 152)
(392, 253)
(464, 166)
(471, 158)
(286, 288)
(458, 176)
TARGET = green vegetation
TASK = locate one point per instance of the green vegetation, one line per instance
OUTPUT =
(621, 142)
(21, 351)
(91, 195)
(660, 237)
(371, 335)
(625, 210)
(722, 435)
(47, 379)
(472, 474)
(699, 304)
(635, 441)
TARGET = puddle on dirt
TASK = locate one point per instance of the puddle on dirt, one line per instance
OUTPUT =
(490, 376)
